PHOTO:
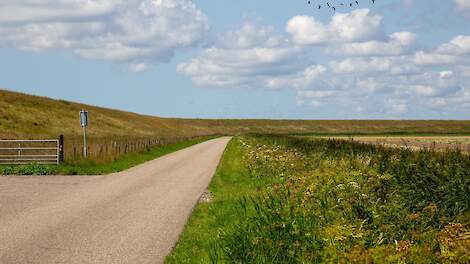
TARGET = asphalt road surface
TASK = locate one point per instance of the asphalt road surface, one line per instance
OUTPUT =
(133, 216)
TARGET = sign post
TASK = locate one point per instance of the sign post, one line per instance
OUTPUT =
(84, 124)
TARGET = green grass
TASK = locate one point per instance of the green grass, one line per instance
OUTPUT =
(281, 199)
(84, 167)
(229, 184)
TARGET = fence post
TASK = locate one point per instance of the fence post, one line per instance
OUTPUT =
(61, 148)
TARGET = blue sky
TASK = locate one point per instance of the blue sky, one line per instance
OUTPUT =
(407, 59)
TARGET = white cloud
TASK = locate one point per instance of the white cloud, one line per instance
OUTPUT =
(250, 56)
(425, 90)
(26, 11)
(454, 52)
(398, 108)
(446, 74)
(425, 58)
(397, 43)
(140, 67)
(249, 36)
(315, 98)
(134, 32)
(361, 70)
(459, 45)
(361, 65)
(463, 5)
(308, 77)
(316, 94)
(370, 85)
(306, 30)
(358, 25)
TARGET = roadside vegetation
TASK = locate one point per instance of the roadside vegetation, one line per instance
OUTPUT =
(282, 199)
(91, 167)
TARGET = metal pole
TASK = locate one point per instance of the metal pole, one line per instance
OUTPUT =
(84, 123)
(85, 152)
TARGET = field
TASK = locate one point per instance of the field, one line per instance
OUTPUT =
(440, 143)
(113, 133)
(284, 199)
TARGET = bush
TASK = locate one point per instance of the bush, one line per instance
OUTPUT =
(30, 169)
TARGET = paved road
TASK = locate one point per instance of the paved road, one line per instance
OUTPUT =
(134, 216)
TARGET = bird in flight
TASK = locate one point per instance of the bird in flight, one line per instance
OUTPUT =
(334, 4)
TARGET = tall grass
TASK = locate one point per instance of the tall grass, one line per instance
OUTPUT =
(347, 201)
(423, 176)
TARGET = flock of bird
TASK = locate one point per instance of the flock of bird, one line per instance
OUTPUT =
(332, 6)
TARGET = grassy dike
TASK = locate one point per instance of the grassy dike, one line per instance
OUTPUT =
(91, 168)
(282, 199)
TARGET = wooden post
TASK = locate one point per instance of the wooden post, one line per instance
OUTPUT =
(61, 148)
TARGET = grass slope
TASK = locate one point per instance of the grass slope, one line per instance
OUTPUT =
(23, 115)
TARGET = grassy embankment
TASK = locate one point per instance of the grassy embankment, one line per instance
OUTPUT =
(88, 167)
(23, 115)
(293, 200)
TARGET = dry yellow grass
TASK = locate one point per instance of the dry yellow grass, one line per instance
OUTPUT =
(442, 142)
(24, 115)
(113, 133)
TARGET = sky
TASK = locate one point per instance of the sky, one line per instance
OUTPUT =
(395, 59)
